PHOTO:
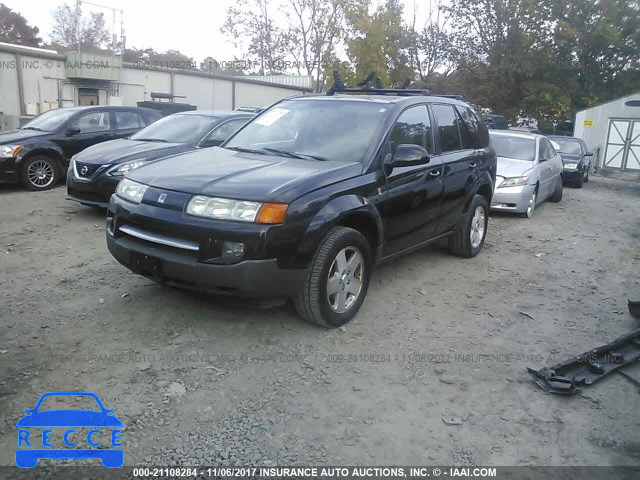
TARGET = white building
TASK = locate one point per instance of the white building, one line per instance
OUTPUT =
(34, 80)
(612, 132)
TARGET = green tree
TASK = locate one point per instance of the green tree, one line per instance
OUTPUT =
(15, 29)
(378, 42)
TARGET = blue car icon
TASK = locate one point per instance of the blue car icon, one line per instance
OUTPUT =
(69, 418)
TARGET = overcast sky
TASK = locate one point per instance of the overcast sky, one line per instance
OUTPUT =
(190, 26)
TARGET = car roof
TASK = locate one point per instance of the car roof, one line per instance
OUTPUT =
(515, 133)
(380, 98)
(217, 113)
(79, 108)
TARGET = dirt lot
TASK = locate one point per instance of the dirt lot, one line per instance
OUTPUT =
(202, 380)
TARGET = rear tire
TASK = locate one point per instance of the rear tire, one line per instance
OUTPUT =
(556, 196)
(39, 173)
(338, 279)
(468, 236)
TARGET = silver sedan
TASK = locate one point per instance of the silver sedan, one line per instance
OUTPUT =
(529, 171)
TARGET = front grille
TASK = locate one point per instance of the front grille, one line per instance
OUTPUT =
(86, 170)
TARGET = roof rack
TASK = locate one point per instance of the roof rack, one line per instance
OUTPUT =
(340, 87)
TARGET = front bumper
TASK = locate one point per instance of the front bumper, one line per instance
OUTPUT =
(249, 277)
(94, 193)
(512, 199)
(573, 175)
(9, 171)
(170, 248)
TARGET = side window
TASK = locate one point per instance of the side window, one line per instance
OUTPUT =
(550, 152)
(448, 127)
(126, 120)
(224, 131)
(93, 122)
(413, 127)
(475, 126)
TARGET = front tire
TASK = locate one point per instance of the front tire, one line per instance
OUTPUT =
(338, 279)
(40, 173)
(532, 205)
(556, 196)
(586, 175)
(468, 237)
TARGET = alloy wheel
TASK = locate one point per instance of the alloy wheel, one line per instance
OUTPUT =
(344, 281)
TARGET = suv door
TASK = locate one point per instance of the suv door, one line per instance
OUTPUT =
(413, 193)
(84, 130)
(455, 146)
(126, 123)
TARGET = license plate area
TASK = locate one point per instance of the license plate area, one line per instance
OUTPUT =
(146, 265)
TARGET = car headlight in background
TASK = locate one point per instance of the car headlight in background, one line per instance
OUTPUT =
(514, 182)
(130, 190)
(10, 150)
(570, 166)
(241, 210)
(124, 168)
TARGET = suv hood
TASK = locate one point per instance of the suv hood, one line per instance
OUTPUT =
(121, 150)
(510, 167)
(225, 173)
(18, 136)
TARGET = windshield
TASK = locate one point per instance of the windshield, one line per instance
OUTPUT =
(519, 148)
(49, 121)
(572, 147)
(177, 129)
(325, 129)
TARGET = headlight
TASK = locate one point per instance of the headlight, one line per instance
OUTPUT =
(130, 190)
(10, 150)
(570, 166)
(241, 210)
(514, 182)
(124, 168)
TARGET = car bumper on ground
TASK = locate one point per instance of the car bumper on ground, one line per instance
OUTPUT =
(94, 193)
(512, 199)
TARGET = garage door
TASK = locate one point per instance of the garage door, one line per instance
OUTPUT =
(623, 145)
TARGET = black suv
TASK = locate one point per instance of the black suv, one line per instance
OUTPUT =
(308, 197)
(37, 154)
(94, 173)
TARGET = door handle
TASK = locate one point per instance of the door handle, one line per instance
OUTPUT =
(434, 173)
(472, 164)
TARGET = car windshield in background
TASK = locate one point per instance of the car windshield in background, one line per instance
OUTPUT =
(176, 129)
(325, 129)
(518, 148)
(571, 147)
(49, 121)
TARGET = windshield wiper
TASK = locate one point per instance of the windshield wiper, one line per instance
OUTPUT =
(33, 128)
(301, 156)
(151, 140)
(246, 150)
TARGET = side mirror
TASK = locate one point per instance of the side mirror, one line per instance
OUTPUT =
(588, 154)
(407, 155)
(72, 131)
(542, 160)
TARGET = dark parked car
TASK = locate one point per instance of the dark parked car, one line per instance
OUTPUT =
(94, 173)
(37, 154)
(308, 197)
(576, 159)
(495, 122)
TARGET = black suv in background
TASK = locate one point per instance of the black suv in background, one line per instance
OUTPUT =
(308, 197)
(94, 173)
(37, 154)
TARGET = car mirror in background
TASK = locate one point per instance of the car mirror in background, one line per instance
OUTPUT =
(72, 131)
(542, 159)
(407, 155)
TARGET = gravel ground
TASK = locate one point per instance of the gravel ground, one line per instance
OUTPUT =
(431, 371)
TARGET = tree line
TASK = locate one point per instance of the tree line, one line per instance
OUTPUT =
(538, 58)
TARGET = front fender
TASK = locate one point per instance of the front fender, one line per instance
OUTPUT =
(339, 211)
(47, 148)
